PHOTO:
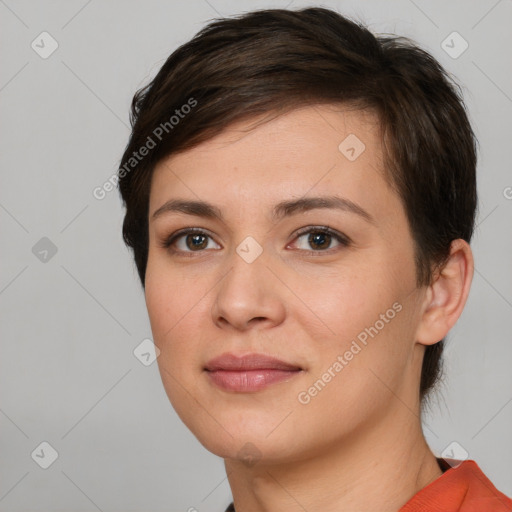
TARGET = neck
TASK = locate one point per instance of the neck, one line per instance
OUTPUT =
(379, 469)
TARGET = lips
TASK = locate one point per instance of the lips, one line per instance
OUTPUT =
(249, 373)
(232, 362)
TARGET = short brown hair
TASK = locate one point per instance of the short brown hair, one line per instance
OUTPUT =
(274, 60)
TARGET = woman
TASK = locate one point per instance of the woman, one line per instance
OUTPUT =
(300, 197)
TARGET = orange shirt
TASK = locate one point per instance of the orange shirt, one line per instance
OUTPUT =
(462, 488)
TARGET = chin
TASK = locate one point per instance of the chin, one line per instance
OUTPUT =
(249, 449)
(241, 436)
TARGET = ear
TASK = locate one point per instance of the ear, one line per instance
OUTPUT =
(446, 296)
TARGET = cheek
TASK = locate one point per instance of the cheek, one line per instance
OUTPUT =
(173, 311)
(350, 300)
(170, 296)
(173, 314)
(365, 328)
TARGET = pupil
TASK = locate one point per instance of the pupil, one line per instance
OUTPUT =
(319, 239)
(196, 238)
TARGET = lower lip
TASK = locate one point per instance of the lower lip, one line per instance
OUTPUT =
(247, 381)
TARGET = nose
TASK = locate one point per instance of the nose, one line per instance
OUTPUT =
(249, 295)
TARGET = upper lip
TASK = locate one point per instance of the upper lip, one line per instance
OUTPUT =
(233, 362)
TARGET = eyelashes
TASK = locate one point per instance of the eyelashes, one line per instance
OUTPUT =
(200, 241)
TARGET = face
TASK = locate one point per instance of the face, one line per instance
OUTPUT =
(327, 287)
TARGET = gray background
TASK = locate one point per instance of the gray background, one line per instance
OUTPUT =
(70, 324)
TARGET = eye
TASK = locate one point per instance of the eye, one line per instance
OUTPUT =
(320, 239)
(188, 240)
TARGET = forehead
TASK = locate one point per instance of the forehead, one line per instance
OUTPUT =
(316, 148)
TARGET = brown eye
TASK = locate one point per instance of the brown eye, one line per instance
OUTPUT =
(320, 239)
(194, 242)
(188, 241)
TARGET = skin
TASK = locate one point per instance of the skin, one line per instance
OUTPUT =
(358, 443)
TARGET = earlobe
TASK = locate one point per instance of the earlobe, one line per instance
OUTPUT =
(446, 296)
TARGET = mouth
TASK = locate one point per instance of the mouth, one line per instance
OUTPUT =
(249, 373)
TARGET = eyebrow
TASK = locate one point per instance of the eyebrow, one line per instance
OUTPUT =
(280, 210)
